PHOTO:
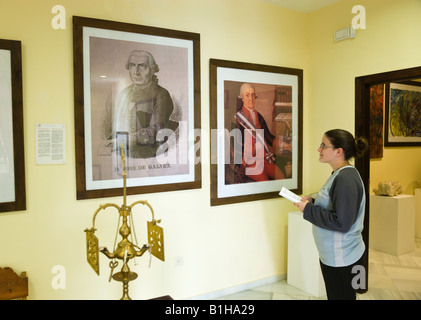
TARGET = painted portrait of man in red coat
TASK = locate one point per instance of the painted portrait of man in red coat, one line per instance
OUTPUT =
(258, 152)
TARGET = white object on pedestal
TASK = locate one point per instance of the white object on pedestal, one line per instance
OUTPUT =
(392, 222)
(303, 258)
(418, 212)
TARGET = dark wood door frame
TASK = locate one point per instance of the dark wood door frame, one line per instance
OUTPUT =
(362, 128)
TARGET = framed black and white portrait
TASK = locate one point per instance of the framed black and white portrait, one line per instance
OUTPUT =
(139, 87)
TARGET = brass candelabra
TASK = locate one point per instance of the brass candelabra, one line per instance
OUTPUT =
(126, 249)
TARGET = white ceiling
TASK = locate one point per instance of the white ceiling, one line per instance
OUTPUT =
(305, 6)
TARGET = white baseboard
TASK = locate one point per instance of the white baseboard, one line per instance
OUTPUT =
(238, 288)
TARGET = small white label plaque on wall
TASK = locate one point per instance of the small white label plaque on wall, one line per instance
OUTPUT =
(50, 143)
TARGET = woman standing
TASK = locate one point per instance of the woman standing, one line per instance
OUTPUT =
(337, 214)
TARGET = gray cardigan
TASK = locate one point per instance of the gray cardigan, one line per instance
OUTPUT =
(337, 216)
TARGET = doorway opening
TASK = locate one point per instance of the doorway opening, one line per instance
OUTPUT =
(362, 128)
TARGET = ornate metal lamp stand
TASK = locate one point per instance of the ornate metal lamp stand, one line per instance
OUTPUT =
(125, 249)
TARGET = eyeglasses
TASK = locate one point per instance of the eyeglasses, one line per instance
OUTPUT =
(323, 146)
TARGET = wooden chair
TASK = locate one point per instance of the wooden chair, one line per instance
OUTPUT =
(13, 286)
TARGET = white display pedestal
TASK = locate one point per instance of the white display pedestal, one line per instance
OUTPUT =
(418, 212)
(303, 258)
(392, 222)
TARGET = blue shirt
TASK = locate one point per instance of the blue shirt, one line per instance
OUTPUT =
(337, 216)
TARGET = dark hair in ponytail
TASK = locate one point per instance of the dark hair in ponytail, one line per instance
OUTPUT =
(353, 148)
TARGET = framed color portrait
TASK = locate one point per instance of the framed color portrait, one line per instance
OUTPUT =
(403, 114)
(137, 90)
(12, 162)
(256, 131)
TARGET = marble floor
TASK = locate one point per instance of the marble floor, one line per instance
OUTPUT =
(390, 278)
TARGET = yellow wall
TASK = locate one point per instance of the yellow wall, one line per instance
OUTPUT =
(222, 246)
(391, 41)
(402, 164)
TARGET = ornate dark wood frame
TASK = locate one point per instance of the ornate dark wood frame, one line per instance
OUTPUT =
(19, 204)
(78, 24)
